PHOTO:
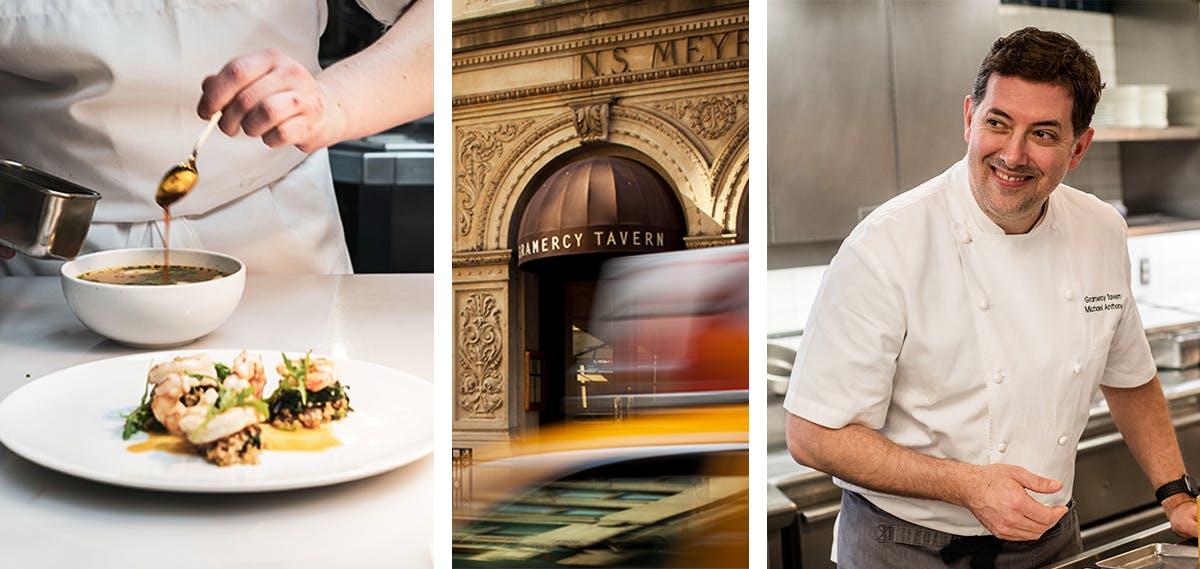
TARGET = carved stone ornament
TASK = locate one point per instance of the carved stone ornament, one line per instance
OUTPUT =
(710, 117)
(591, 122)
(480, 355)
(478, 149)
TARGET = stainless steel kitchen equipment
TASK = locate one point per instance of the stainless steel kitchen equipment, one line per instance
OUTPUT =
(1178, 349)
(384, 186)
(803, 503)
(1156, 555)
(781, 527)
(781, 354)
(1161, 533)
(42, 215)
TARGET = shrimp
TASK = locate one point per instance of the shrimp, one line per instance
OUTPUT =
(198, 364)
(228, 422)
(321, 373)
(181, 401)
(247, 371)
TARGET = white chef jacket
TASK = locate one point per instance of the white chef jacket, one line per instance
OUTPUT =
(953, 339)
(104, 93)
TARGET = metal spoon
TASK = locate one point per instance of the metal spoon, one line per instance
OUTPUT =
(181, 178)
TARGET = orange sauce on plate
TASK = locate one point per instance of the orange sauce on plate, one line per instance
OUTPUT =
(299, 440)
(164, 442)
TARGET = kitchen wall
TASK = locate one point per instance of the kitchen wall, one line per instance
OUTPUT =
(864, 101)
(790, 295)
(1166, 270)
(1093, 30)
(1159, 42)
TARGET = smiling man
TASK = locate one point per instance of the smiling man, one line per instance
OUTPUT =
(1020, 144)
(956, 343)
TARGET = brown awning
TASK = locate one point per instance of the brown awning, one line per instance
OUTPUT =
(603, 204)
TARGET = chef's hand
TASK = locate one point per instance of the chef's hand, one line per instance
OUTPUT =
(7, 253)
(1000, 502)
(270, 95)
(1181, 510)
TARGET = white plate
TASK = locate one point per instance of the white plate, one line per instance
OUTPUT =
(70, 421)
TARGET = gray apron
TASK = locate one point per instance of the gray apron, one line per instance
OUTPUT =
(870, 538)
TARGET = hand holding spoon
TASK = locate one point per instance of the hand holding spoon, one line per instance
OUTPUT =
(181, 178)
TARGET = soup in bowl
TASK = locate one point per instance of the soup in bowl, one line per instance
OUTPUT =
(121, 294)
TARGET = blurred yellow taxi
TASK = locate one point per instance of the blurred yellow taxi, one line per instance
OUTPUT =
(668, 488)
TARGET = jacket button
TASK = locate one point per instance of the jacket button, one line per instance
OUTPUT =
(1062, 440)
(1002, 447)
(998, 377)
(966, 238)
(1075, 369)
(1067, 294)
(983, 305)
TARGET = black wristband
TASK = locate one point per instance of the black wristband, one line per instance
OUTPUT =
(1185, 485)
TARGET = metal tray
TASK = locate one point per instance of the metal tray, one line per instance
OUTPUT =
(1154, 556)
(42, 215)
(1176, 350)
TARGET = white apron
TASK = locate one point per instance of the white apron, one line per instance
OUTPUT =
(104, 93)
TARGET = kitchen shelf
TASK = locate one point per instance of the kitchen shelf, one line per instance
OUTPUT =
(1148, 224)
(1117, 134)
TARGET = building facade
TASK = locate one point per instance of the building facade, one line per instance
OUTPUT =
(582, 131)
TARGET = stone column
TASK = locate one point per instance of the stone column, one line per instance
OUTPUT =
(483, 389)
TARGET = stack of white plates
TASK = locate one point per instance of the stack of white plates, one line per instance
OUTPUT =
(1184, 108)
(1152, 106)
(1106, 111)
(1132, 106)
(1119, 106)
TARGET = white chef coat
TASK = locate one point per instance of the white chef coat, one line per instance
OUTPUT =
(953, 339)
(104, 93)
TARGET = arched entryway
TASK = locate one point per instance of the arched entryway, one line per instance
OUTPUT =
(585, 212)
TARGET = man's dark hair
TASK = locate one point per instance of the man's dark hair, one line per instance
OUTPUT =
(1045, 57)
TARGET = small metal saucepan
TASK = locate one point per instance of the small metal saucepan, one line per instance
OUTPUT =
(42, 215)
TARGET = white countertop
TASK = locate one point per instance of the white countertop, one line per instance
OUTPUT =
(51, 520)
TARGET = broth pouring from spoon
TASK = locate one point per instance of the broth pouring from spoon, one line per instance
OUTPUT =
(176, 183)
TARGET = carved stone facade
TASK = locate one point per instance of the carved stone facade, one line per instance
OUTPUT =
(711, 117)
(481, 394)
(668, 89)
(481, 383)
(591, 121)
(477, 152)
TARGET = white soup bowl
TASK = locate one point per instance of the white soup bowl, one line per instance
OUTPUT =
(153, 316)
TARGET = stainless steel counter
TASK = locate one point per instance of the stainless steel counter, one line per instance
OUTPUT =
(1160, 533)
